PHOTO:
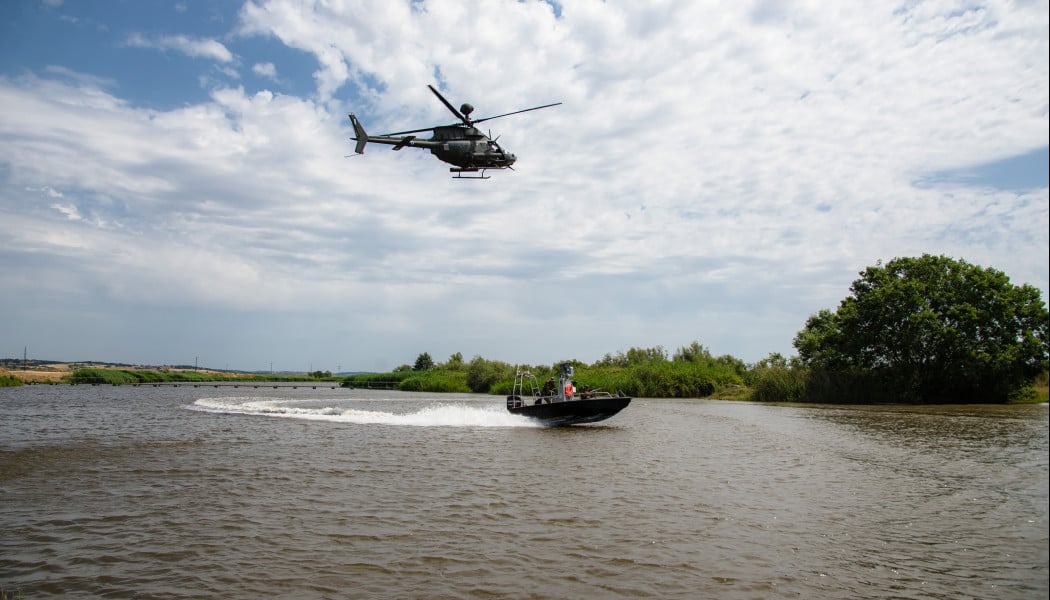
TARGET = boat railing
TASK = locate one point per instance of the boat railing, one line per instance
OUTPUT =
(525, 386)
(526, 391)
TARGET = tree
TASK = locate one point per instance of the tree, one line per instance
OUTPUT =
(455, 362)
(928, 329)
(483, 374)
(646, 356)
(694, 353)
(775, 360)
(423, 362)
(633, 358)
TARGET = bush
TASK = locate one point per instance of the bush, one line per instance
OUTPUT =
(483, 374)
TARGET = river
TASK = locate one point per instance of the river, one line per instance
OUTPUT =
(140, 492)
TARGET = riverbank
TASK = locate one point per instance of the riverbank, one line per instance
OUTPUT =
(432, 381)
(52, 373)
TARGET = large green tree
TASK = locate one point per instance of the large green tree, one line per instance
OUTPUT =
(927, 329)
(423, 362)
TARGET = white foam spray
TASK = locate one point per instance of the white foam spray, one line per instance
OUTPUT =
(431, 415)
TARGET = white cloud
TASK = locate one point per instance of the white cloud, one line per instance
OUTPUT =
(190, 46)
(69, 210)
(267, 70)
(715, 173)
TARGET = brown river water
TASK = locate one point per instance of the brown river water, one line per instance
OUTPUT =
(141, 492)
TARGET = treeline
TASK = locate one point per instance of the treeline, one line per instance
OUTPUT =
(930, 329)
(691, 372)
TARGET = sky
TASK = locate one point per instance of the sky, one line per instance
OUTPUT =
(177, 183)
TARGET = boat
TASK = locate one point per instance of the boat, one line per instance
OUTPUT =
(560, 404)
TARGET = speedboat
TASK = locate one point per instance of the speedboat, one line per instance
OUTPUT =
(559, 404)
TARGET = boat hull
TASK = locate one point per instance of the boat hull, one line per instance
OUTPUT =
(570, 412)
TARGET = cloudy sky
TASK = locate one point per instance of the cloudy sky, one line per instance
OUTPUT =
(175, 186)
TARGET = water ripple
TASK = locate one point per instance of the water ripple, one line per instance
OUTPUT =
(125, 493)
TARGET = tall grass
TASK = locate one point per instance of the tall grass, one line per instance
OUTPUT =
(379, 380)
(797, 384)
(666, 379)
(436, 381)
(778, 384)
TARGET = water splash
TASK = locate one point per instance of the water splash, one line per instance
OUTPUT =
(431, 415)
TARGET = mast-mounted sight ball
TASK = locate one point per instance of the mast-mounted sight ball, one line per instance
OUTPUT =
(466, 109)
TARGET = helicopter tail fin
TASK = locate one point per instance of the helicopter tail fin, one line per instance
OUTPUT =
(359, 131)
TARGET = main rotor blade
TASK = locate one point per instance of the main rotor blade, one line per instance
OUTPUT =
(449, 106)
(476, 121)
(412, 131)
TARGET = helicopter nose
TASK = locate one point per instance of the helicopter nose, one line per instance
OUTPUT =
(510, 158)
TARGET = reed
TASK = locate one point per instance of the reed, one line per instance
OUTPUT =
(661, 379)
(436, 381)
(364, 379)
(778, 384)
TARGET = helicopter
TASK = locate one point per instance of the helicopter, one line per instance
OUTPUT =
(459, 144)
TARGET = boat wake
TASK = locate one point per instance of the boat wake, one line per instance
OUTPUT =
(431, 415)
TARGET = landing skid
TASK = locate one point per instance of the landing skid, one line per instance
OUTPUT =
(459, 173)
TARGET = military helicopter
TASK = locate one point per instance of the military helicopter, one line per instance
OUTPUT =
(462, 145)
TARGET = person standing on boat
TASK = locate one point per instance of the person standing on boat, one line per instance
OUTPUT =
(549, 387)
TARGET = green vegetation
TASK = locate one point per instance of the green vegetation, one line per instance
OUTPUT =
(777, 379)
(927, 330)
(915, 330)
(436, 381)
(125, 376)
(9, 381)
(423, 362)
(641, 372)
(1040, 390)
(98, 376)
